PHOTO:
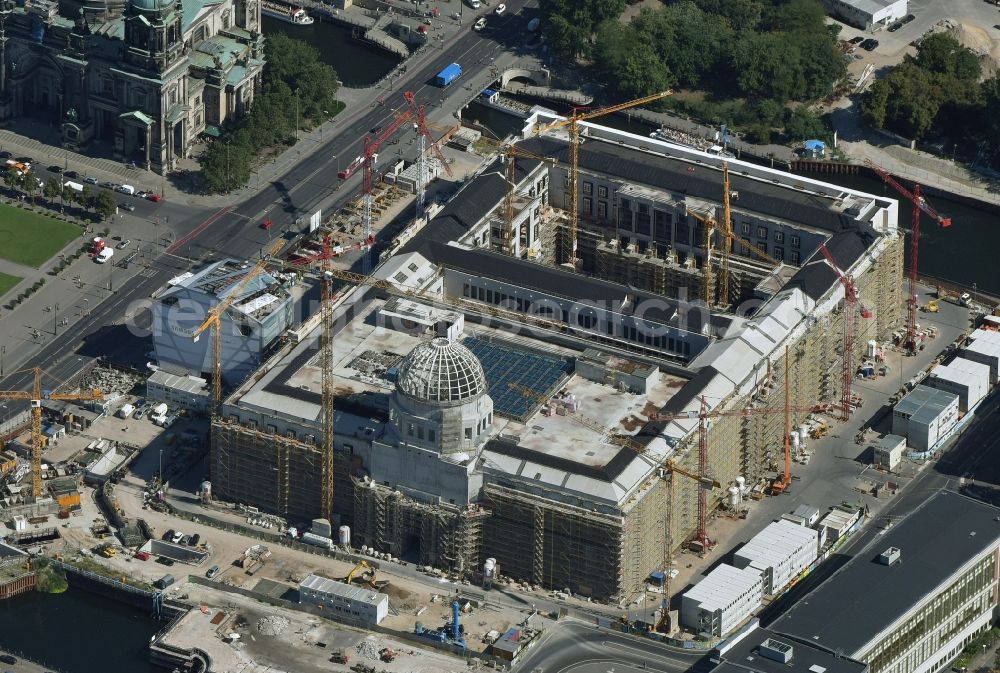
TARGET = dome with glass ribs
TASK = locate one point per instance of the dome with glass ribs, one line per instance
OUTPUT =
(441, 372)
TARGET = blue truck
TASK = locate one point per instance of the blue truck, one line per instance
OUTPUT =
(448, 75)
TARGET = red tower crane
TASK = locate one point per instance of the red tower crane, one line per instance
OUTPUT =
(852, 302)
(919, 205)
(372, 146)
(703, 415)
(423, 139)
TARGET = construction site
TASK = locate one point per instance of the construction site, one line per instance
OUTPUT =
(561, 375)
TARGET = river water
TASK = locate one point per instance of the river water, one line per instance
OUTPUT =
(961, 254)
(358, 64)
(78, 632)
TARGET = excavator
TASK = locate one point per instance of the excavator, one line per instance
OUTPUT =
(366, 576)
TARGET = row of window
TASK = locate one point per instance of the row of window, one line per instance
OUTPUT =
(779, 236)
(546, 309)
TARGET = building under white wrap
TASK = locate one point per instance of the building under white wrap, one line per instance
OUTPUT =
(722, 601)
(779, 553)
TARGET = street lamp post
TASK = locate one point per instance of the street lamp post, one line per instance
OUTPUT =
(55, 320)
(3, 351)
(160, 474)
(296, 115)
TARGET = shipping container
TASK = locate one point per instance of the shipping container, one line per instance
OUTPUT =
(448, 75)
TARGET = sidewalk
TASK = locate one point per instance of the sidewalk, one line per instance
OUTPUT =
(861, 143)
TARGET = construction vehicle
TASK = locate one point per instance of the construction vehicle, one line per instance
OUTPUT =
(920, 205)
(339, 657)
(362, 567)
(109, 552)
(930, 307)
(821, 430)
(386, 655)
(35, 397)
(572, 124)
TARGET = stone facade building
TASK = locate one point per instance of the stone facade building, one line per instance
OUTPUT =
(144, 78)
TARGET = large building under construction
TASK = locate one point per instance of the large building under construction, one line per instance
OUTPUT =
(496, 399)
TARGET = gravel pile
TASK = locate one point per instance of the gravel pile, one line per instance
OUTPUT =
(272, 625)
(368, 649)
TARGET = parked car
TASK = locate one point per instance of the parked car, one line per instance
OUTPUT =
(55, 169)
(109, 184)
(139, 413)
(894, 27)
(501, 8)
(169, 535)
(195, 539)
(126, 206)
(72, 175)
(8, 659)
(857, 39)
(142, 194)
(142, 555)
(5, 155)
(186, 540)
(124, 244)
(155, 198)
(479, 24)
(212, 572)
(869, 44)
(90, 180)
(177, 537)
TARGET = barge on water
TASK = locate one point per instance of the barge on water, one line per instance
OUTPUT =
(286, 13)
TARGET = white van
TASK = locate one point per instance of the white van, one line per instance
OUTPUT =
(126, 189)
(104, 255)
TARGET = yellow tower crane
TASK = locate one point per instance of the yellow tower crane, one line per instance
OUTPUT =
(512, 152)
(572, 123)
(214, 320)
(35, 397)
(710, 225)
(727, 230)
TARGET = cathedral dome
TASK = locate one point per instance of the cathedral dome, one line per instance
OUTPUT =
(152, 5)
(441, 372)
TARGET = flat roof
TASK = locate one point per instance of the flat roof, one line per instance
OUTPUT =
(703, 181)
(778, 542)
(925, 403)
(744, 657)
(722, 586)
(188, 384)
(568, 450)
(335, 588)
(863, 598)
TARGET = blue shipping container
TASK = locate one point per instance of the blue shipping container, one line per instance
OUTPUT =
(448, 75)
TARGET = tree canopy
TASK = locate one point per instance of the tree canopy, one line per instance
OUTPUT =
(935, 93)
(298, 88)
(779, 50)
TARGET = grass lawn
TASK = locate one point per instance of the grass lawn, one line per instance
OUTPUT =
(31, 239)
(7, 282)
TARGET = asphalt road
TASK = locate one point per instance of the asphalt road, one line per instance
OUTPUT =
(574, 647)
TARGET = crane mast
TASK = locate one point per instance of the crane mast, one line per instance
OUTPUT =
(920, 205)
(572, 124)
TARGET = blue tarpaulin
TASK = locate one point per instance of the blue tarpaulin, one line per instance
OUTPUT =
(815, 145)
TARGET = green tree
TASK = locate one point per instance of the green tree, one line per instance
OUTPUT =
(70, 195)
(52, 189)
(943, 54)
(804, 124)
(105, 204)
(86, 197)
(13, 178)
